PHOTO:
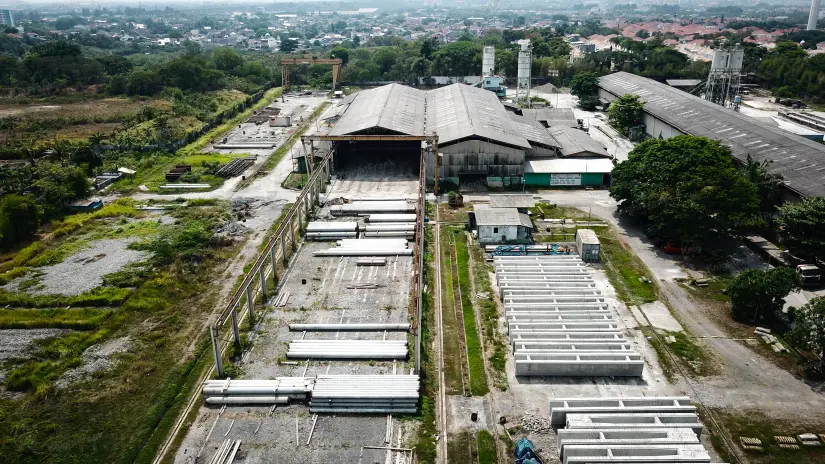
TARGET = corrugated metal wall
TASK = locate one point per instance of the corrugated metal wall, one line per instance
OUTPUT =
(478, 157)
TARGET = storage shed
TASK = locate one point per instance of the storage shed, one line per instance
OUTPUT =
(588, 245)
(503, 226)
(568, 172)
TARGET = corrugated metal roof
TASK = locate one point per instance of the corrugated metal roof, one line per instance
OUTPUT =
(575, 142)
(460, 111)
(454, 112)
(501, 217)
(533, 131)
(393, 107)
(799, 160)
(568, 165)
(552, 116)
(683, 82)
(512, 201)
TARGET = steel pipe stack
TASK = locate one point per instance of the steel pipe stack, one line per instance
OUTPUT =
(385, 218)
(347, 349)
(368, 247)
(350, 327)
(319, 230)
(365, 394)
(367, 207)
(278, 391)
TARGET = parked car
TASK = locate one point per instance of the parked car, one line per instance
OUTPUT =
(809, 273)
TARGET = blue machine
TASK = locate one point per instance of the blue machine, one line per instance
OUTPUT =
(525, 453)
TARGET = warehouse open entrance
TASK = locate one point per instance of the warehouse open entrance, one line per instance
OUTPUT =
(377, 159)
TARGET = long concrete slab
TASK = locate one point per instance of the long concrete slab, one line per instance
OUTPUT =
(554, 306)
(570, 337)
(560, 407)
(579, 346)
(579, 365)
(659, 420)
(568, 437)
(576, 454)
(508, 293)
(560, 317)
(572, 326)
(533, 279)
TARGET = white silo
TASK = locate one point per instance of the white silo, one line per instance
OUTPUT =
(488, 62)
(720, 59)
(737, 57)
(525, 61)
(814, 15)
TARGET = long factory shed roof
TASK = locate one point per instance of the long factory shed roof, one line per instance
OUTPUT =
(801, 162)
(455, 112)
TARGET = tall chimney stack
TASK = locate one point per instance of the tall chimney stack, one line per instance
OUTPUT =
(814, 16)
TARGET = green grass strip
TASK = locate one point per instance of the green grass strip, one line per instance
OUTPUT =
(487, 453)
(478, 374)
(77, 319)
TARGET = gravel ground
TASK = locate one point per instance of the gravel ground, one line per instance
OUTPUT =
(18, 342)
(84, 270)
(96, 358)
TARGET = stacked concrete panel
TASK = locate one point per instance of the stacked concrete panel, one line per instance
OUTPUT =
(559, 323)
(628, 430)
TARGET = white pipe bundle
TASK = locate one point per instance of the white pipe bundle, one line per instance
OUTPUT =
(321, 226)
(247, 399)
(406, 226)
(371, 261)
(368, 247)
(372, 243)
(390, 233)
(354, 252)
(351, 327)
(366, 207)
(365, 394)
(347, 349)
(323, 236)
(383, 218)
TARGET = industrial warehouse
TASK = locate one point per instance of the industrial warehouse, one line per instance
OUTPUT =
(479, 142)
(669, 112)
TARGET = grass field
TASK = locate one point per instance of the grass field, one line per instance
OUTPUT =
(120, 414)
(752, 424)
(478, 374)
(455, 364)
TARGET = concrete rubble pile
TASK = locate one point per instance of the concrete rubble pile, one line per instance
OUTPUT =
(628, 430)
(559, 323)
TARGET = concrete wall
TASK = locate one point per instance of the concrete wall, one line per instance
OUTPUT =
(497, 234)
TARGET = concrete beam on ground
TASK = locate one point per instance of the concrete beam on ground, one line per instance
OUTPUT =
(533, 326)
(567, 437)
(560, 408)
(576, 454)
(520, 337)
(599, 364)
(660, 420)
(559, 317)
(555, 307)
(550, 292)
(541, 347)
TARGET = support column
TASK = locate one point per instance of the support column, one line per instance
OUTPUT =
(283, 248)
(300, 217)
(250, 303)
(214, 334)
(292, 230)
(262, 278)
(235, 330)
(274, 266)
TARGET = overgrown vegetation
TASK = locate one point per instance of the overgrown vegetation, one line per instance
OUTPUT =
(487, 453)
(126, 409)
(475, 351)
(494, 341)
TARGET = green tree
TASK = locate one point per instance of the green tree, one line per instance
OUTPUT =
(340, 52)
(684, 189)
(458, 59)
(584, 84)
(288, 45)
(801, 226)
(757, 294)
(642, 34)
(767, 184)
(625, 112)
(19, 219)
(115, 64)
(226, 59)
(808, 330)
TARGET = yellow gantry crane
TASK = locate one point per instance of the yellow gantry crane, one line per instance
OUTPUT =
(288, 61)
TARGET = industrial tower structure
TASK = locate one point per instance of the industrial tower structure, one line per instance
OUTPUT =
(814, 15)
(525, 62)
(725, 78)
